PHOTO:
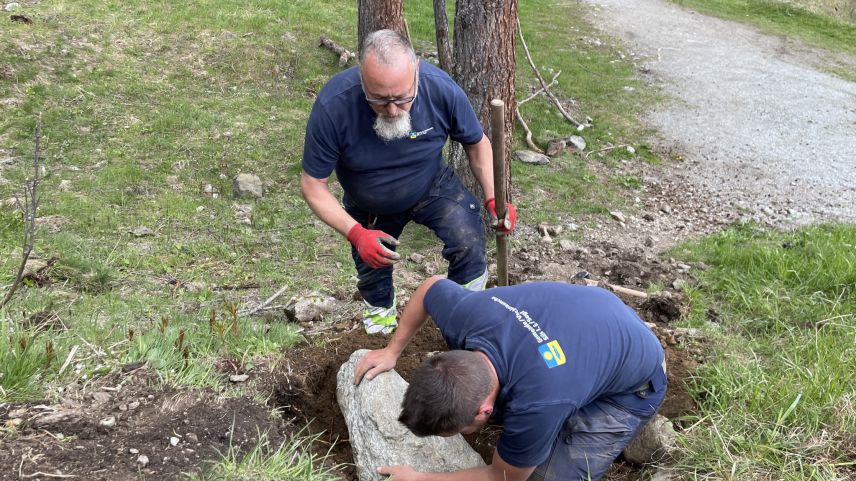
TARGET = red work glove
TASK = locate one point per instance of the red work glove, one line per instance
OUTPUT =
(510, 220)
(369, 247)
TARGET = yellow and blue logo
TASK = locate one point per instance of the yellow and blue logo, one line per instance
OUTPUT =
(552, 354)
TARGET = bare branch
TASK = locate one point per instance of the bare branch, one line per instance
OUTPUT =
(529, 141)
(541, 79)
(264, 304)
(31, 204)
(541, 90)
(345, 56)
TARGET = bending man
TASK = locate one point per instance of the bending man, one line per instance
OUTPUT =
(570, 371)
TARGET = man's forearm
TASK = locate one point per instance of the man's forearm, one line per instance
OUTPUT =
(325, 206)
(480, 156)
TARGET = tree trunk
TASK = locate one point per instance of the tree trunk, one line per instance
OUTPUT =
(441, 27)
(379, 14)
(484, 66)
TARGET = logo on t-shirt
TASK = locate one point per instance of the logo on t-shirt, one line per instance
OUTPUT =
(552, 354)
(414, 134)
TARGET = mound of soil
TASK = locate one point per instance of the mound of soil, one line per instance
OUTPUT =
(108, 430)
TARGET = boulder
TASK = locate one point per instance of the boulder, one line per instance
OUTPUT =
(530, 157)
(656, 442)
(371, 412)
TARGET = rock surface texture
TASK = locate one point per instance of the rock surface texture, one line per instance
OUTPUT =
(371, 412)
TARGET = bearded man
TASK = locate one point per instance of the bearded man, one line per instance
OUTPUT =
(381, 126)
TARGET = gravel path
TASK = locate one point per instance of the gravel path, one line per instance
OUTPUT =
(760, 126)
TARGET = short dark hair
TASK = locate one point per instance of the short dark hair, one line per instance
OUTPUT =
(445, 393)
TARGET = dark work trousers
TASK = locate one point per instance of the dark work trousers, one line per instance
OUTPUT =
(448, 209)
(597, 433)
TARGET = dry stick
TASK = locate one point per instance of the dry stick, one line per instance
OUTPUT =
(523, 123)
(265, 303)
(69, 358)
(541, 79)
(529, 141)
(31, 203)
(49, 475)
(344, 55)
(605, 149)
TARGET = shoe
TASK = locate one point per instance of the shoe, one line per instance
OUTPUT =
(477, 284)
(380, 320)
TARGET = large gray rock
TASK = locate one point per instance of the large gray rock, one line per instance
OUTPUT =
(371, 412)
(656, 442)
(530, 157)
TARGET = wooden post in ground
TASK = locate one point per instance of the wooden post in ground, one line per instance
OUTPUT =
(497, 131)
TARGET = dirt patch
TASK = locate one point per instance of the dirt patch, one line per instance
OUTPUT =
(304, 385)
(100, 432)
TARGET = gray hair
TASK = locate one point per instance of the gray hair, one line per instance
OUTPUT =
(386, 45)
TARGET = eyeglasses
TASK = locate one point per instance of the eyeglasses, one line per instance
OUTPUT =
(397, 101)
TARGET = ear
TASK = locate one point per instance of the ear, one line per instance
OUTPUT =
(485, 409)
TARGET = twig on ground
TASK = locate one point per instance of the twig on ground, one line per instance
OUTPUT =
(69, 358)
(541, 79)
(263, 304)
(541, 90)
(31, 204)
(49, 475)
(344, 55)
(529, 141)
(605, 149)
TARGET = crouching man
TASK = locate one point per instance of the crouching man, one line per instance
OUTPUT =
(570, 371)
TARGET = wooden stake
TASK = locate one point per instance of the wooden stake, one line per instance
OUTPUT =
(497, 131)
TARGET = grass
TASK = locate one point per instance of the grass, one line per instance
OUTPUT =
(146, 103)
(777, 390)
(293, 460)
(792, 19)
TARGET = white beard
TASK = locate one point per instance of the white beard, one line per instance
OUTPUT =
(391, 128)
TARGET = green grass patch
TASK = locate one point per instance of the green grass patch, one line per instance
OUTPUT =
(783, 18)
(777, 393)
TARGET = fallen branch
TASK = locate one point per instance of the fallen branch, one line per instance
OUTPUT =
(69, 358)
(605, 149)
(529, 141)
(345, 56)
(541, 90)
(265, 303)
(31, 203)
(617, 289)
(541, 79)
(49, 475)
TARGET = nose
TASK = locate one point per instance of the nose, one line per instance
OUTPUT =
(392, 109)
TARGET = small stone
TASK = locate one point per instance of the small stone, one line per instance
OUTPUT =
(247, 185)
(65, 185)
(678, 283)
(555, 147)
(239, 377)
(416, 258)
(133, 405)
(648, 216)
(173, 441)
(530, 157)
(208, 190)
(12, 6)
(101, 396)
(572, 227)
(577, 142)
(191, 438)
(123, 407)
(566, 245)
(142, 231)
(134, 451)
(631, 149)
(143, 460)
(650, 241)
(666, 209)
(546, 240)
(107, 422)
(617, 215)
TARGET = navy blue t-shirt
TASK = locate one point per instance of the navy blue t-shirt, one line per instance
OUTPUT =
(556, 348)
(383, 177)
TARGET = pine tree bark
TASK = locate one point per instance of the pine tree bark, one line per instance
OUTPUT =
(379, 14)
(484, 66)
(441, 28)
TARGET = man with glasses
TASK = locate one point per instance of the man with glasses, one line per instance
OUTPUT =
(382, 127)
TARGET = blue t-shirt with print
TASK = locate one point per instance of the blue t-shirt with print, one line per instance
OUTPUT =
(383, 177)
(556, 348)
